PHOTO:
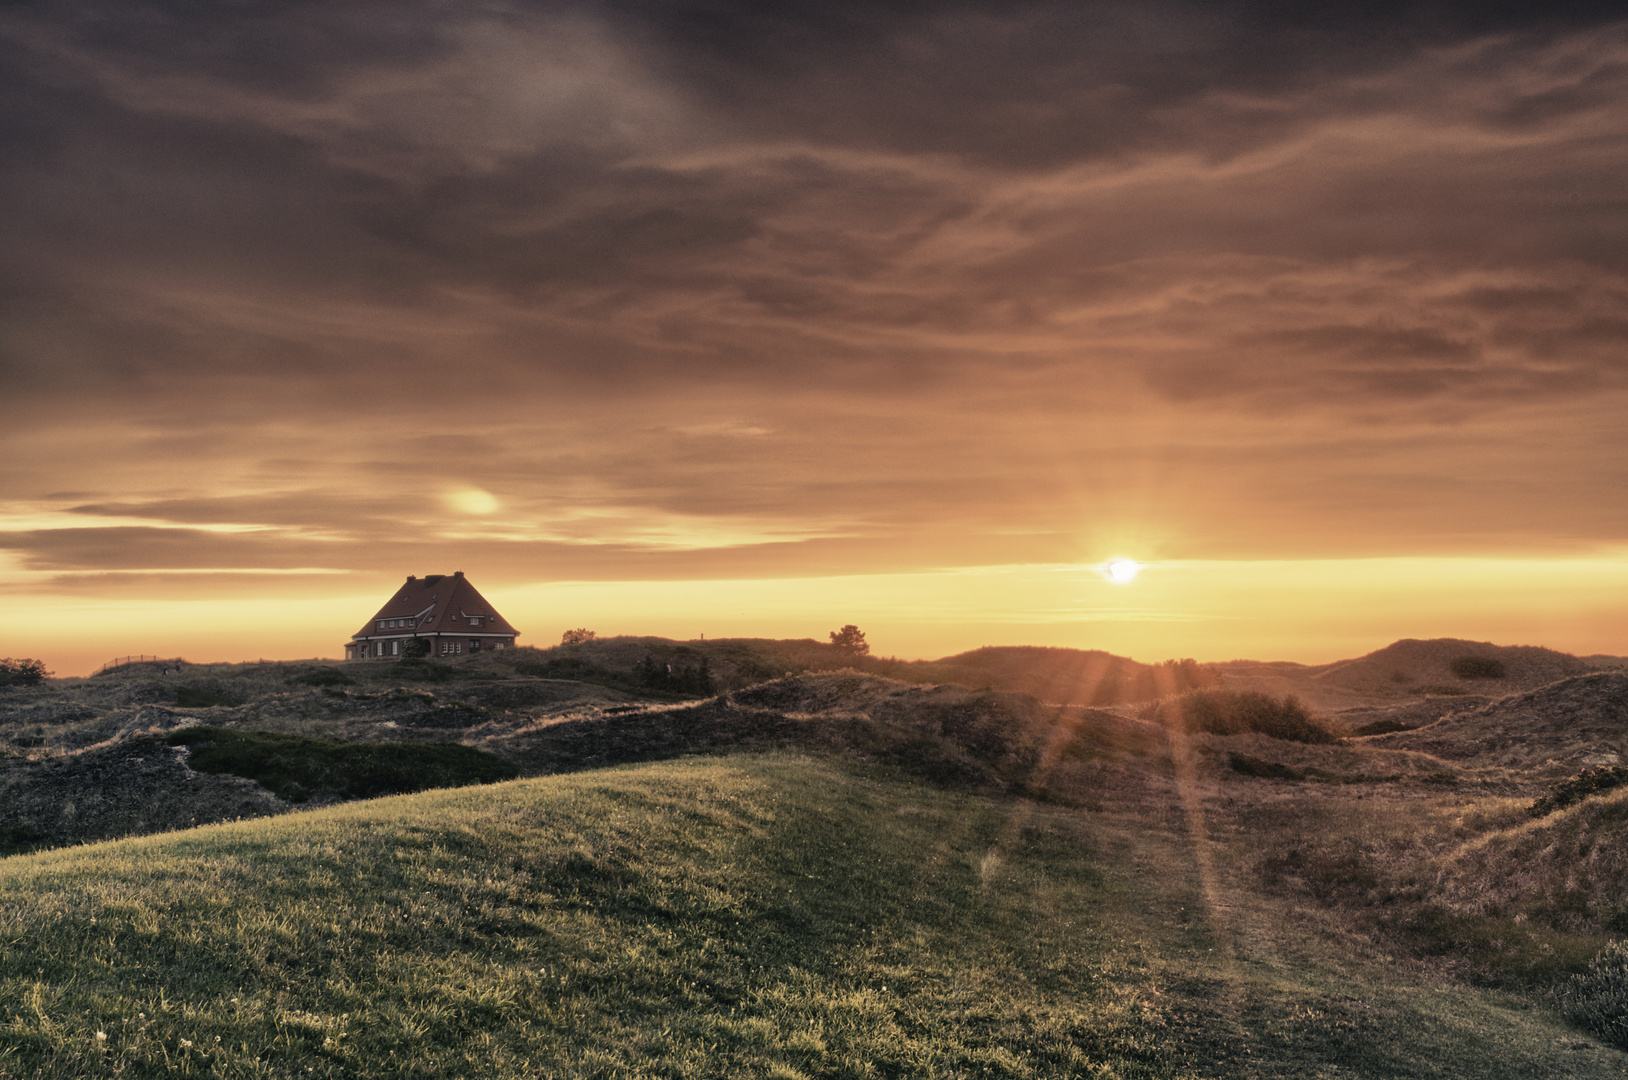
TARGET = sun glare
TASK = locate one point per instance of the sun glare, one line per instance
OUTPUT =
(1122, 571)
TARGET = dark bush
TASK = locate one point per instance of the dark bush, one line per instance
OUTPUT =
(1270, 770)
(1598, 998)
(675, 679)
(22, 672)
(199, 697)
(1477, 667)
(1586, 783)
(1234, 712)
(299, 769)
(415, 648)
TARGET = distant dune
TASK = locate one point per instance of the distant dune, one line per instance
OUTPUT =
(1552, 730)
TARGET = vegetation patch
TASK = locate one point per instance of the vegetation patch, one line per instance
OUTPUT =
(650, 677)
(418, 669)
(1588, 782)
(1478, 667)
(1598, 997)
(323, 676)
(686, 679)
(1270, 770)
(201, 697)
(299, 769)
(1234, 712)
(24, 672)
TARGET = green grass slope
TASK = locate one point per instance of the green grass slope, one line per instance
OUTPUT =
(755, 916)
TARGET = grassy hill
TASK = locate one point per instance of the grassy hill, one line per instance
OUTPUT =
(754, 916)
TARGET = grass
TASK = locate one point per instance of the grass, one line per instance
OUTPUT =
(751, 916)
(297, 768)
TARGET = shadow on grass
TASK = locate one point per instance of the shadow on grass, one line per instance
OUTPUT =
(299, 769)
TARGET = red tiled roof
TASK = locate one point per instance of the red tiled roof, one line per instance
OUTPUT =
(437, 604)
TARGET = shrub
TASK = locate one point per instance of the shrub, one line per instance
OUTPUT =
(1586, 783)
(577, 637)
(1477, 667)
(421, 670)
(298, 768)
(324, 676)
(415, 648)
(199, 697)
(1233, 712)
(22, 672)
(1270, 770)
(1598, 998)
(668, 679)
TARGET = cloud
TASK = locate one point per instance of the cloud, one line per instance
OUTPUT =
(802, 285)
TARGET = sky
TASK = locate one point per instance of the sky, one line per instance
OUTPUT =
(755, 319)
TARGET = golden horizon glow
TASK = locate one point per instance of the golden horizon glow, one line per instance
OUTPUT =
(1212, 610)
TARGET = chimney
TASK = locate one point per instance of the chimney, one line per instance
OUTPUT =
(457, 573)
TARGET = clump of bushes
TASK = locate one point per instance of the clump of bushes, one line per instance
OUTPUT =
(200, 697)
(299, 769)
(1598, 998)
(675, 679)
(1235, 712)
(324, 676)
(1477, 667)
(1586, 783)
(22, 672)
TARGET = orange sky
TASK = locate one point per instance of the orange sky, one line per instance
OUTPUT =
(759, 319)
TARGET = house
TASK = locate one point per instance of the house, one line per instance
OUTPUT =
(447, 611)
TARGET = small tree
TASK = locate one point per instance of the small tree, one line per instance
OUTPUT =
(415, 648)
(577, 637)
(22, 672)
(851, 640)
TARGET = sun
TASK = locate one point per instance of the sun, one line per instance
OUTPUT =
(1121, 571)
(472, 500)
